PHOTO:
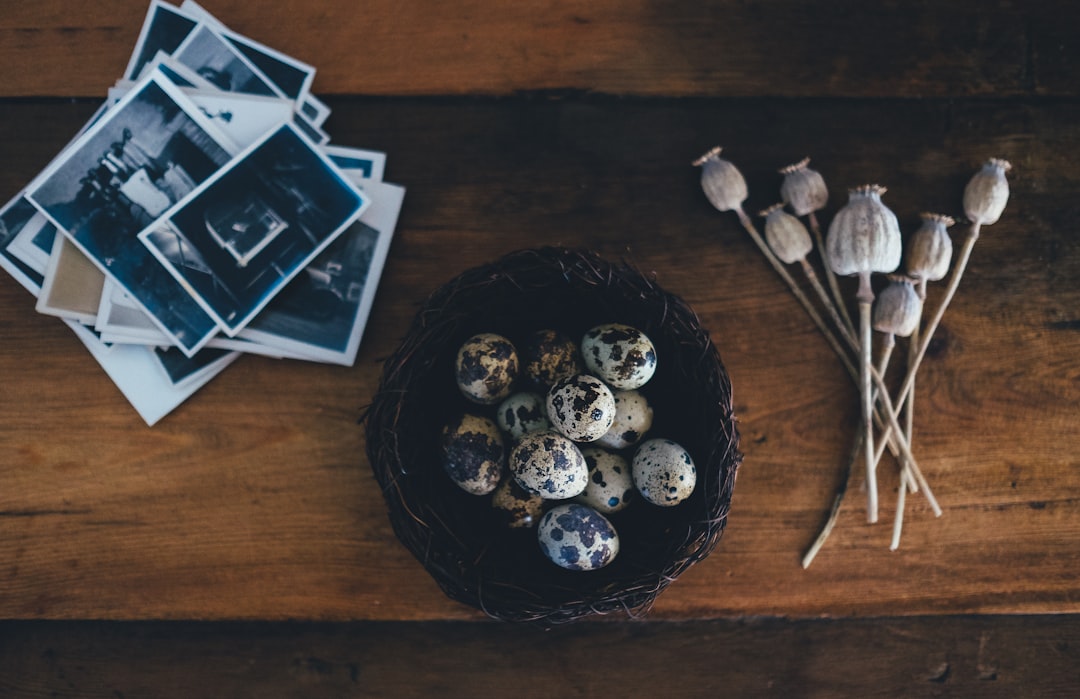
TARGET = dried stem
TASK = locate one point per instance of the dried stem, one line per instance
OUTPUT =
(954, 282)
(748, 224)
(830, 277)
(908, 411)
(905, 449)
(901, 503)
(866, 300)
(838, 499)
(811, 276)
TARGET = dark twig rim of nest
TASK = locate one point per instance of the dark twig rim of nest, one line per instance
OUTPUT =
(454, 535)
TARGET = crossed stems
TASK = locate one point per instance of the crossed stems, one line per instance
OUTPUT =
(896, 437)
(886, 415)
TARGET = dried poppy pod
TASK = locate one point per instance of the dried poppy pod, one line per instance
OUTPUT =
(786, 235)
(864, 236)
(987, 193)
(898, 308)
(724, 185)
(929, 249)
(803, 189)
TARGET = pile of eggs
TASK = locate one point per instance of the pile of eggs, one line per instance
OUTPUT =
(565, 447)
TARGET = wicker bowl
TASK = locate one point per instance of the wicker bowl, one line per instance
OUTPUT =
(456, 536)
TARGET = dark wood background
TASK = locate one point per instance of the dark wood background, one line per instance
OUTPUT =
(241, 548)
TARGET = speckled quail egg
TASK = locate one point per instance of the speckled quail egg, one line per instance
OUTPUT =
(610, 487)
(621, 355)
(633, 418)
(486, 367)
(517, 508)
(474, 454)
(549, 465)
(663, 472)
(522, 413)
(577, 537)
(548, 356)
(581, 407)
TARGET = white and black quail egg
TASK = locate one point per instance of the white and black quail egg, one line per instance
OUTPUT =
(581, 407)
(577, 537)
(486, 368)
(663, 472)
(610, 487)
(633, 418)
(474, 454)
(522, 413)
(620, 354)
(548, 356)
(517, 508)
(549, 465)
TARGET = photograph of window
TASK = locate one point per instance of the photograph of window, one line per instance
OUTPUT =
(147, 153)
(245, 233)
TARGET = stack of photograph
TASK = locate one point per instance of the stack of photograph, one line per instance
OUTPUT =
(203, 213)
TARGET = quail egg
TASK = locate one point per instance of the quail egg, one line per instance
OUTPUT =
(486, 367)
(473, 452)
(621, 355)
(522, 413)
(582, 407)
(577, 537)
(610, 487)
(633, 418)
(663, 472)
(549, 465)
(517, 508)
(548, 356)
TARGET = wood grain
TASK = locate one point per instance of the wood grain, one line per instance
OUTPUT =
(254, 499)
(708, 48)
(912, 657)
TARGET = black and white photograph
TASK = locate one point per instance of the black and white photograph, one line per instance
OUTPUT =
(179, 368)
(368, 164)
(243, 118)
(164, 29)
(148, 152)
(181, 75)
(314, 109)
(207, 53)
(242, 235)
(323, 311)
(314, 133)
(120, 319)
(292, 77)
(33, 242)
(14, 217)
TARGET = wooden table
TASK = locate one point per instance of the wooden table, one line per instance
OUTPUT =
(240, 546)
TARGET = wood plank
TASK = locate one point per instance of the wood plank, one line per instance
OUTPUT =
(712, 48)
(914, 657)
(254, 499)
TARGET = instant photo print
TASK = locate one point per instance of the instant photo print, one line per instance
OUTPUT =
(201, 214)
(243, 234)
(147, 152)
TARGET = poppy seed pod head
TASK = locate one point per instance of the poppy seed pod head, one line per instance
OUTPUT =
(786, 235)
(898, 308)
(987, 192)
(803, 189)
(722, 182)
(864, 236)
(929, 250)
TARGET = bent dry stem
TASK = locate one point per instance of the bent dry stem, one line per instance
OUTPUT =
(928, 334)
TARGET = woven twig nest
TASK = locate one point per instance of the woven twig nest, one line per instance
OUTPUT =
(457, 536)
